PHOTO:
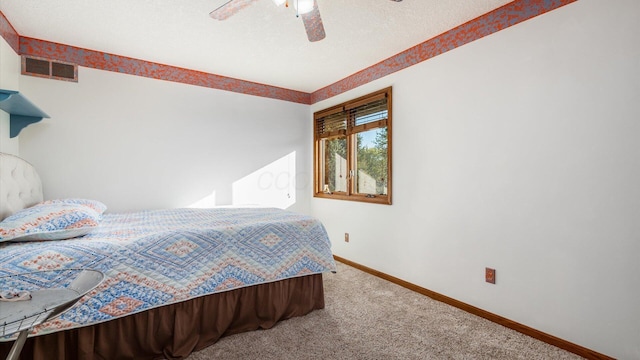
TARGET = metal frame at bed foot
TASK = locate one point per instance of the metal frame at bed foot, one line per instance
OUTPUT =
(40, 305)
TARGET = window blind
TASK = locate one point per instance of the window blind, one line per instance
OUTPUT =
(331, 123)
(368, 114)
(354, 117)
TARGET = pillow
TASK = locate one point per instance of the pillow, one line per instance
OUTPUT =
(54, 221)
(96, 205)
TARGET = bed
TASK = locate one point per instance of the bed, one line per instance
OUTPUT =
(176, 280)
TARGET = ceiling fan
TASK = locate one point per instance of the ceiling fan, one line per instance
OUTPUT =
(305, 9)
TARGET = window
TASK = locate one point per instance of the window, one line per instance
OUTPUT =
(49, 69)
(352, 152)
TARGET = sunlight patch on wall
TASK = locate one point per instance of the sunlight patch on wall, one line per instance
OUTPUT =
(271, 186)
(208, 201)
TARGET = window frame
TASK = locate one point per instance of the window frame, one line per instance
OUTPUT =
(51, 65)
(351, 149)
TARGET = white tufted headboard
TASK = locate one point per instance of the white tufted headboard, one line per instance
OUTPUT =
(20, 185)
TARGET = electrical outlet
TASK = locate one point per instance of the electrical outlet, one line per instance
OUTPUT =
(346, 237)
(490, 275)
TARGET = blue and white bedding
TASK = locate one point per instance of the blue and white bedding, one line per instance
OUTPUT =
(155, 258)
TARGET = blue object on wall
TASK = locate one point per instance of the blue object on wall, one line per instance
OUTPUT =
(22, 111)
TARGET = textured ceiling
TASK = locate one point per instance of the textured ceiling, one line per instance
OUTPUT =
(262, 43)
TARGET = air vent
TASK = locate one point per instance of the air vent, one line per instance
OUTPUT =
(49, 69)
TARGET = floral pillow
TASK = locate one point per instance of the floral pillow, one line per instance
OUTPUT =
(96, 205)
(55, 221)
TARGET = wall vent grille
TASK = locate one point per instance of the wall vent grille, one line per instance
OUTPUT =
(49, 69)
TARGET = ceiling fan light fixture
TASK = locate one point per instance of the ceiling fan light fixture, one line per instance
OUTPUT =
(304, 6)
(307, 10)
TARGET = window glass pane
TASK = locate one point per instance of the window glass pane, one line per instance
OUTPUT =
(36, 66)
(335, 164)
(372, 169)
(63, 70)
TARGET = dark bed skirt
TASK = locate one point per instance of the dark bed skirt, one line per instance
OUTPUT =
(174, 331)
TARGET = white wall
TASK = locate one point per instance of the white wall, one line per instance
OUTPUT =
(9, 74)
(138, 143)
(519, 151)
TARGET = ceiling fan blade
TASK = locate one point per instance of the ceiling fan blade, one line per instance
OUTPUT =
(313, 24)
(229, 8)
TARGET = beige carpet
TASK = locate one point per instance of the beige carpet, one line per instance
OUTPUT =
(369, 318)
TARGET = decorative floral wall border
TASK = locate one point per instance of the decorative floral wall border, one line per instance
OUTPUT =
(489, 23)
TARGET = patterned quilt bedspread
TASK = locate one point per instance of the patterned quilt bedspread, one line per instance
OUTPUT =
(155, 258)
